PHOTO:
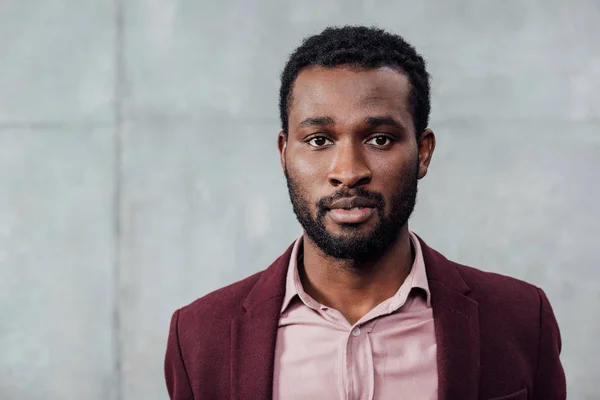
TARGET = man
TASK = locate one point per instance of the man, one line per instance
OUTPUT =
(359, 307)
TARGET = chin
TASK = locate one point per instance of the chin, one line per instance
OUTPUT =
(352, 230)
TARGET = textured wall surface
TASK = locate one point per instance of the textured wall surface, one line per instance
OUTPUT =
(138, 167)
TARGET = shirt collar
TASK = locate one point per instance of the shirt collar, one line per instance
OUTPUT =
(417, 278)
(293, 277)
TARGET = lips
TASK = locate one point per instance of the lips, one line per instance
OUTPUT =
(353, 202)
(352, 211)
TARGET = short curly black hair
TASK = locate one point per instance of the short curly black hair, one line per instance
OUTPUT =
(365, 47)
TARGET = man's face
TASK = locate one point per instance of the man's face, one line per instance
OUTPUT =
(351, 158)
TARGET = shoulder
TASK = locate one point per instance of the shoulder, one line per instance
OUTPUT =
(218, 306)
(199, 336)
(489, 289)
(217, 309)
(497, 287)
(504, 301)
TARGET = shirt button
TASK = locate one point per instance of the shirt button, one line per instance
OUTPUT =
(356, 332)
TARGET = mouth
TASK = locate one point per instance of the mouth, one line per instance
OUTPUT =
(354, 210)
(355, 215)
(349, 203)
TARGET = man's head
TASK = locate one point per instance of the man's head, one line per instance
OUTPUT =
(354, 106)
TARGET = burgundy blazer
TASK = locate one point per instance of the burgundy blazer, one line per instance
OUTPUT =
(497, 337)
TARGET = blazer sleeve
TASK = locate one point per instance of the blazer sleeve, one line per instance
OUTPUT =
(176, 376)
(550, 377)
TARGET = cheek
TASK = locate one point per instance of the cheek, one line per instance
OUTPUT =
(310, 172)
(394, 175)
(302, 177)
(311, 168)
(308, 180)
(390, 171)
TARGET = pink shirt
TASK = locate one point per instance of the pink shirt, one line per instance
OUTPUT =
(390, 353)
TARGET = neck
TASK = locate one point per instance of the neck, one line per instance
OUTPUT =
(355, 288)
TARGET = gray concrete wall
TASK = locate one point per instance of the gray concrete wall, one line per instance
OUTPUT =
(138, 167)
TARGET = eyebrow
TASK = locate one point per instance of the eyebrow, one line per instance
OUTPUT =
(316, 121)
(373, 122)
(382, 121)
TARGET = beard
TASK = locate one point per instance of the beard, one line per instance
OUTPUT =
(355, 244)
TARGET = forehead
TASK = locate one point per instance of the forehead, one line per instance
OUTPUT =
(344, 93)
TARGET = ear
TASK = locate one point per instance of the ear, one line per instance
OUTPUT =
(282, 146)
(426, 146)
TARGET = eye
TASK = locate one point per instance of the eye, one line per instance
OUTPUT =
(318, 141)
(380, 141)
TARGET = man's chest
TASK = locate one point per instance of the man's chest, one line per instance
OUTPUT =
(393, 356)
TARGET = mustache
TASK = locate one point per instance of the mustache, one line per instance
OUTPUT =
(324, 204)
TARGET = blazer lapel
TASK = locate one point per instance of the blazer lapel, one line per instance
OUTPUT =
(253, 347)
(254, 332)
(456, 321)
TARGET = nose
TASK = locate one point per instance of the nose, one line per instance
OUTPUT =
(349, 167)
